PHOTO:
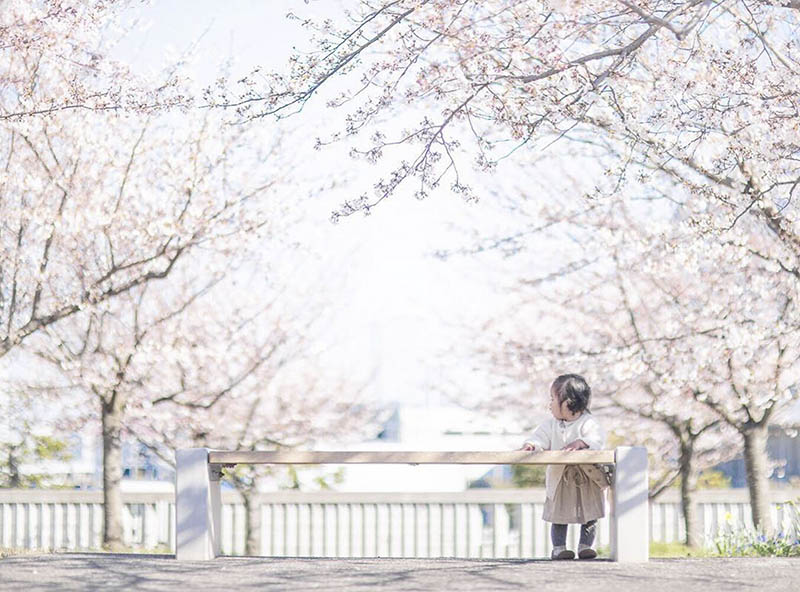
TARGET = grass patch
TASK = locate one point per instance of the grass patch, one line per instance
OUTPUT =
(161, 549)
(15, 551)
(124, 549)
(665, 550)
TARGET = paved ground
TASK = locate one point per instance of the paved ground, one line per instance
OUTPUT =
(95, 571)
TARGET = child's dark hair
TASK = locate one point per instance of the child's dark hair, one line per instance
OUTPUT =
(573, 389)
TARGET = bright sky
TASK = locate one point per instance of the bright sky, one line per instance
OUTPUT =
(400, 309)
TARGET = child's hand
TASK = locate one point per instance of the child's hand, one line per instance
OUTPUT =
(528, 447)
(576, 445)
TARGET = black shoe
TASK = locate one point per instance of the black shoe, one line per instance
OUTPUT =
(586, 552)
(562, 553)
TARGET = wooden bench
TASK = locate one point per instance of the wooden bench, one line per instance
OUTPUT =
(198, 472)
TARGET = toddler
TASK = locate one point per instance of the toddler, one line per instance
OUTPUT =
(575, 493)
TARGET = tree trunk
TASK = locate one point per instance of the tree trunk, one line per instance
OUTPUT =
(15, 480)
(112, 415)
(252, 521)
(756, 466)
(688, 488)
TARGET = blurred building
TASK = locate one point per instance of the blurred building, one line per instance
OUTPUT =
(783, 448)
(412, 428)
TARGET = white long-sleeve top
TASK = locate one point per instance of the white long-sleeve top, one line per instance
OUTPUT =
(554, 434)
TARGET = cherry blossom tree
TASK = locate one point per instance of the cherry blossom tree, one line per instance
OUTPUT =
(207, 356)
(731, 285)
(696, 334)
(201, 366)
(629, 381)
(641, 377)
(55, 58)
(119, 223)
(150, 345)
(97, 204)
(697, 84)
(77, 131)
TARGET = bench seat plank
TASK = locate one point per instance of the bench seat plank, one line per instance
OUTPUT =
(304, 457)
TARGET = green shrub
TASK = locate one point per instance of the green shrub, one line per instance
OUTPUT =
(524, 476)
(711, 479)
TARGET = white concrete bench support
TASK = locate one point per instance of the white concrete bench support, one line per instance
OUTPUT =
(629, 523)
(197, 506)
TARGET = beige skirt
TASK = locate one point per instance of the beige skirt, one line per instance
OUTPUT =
(579, 496)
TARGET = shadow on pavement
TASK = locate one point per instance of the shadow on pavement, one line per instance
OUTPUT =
(92, 571)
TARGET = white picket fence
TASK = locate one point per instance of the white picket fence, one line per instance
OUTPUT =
(474, 523)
